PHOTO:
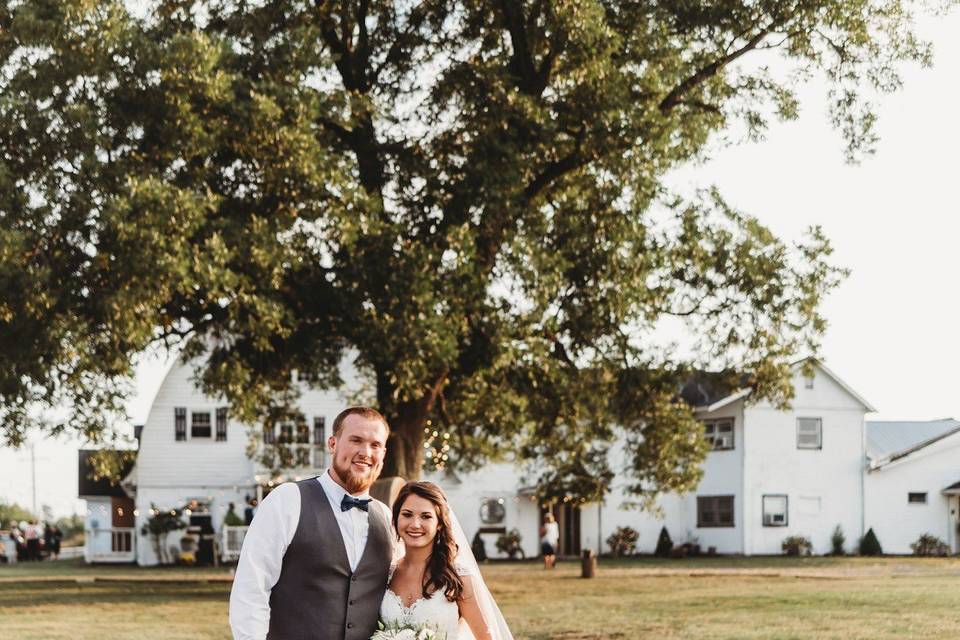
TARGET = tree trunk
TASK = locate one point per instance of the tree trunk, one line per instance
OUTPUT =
(407, 421)
(405, 447)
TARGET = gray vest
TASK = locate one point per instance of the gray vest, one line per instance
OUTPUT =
(317, 596)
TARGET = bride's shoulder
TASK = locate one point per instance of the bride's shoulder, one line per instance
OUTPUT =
(462, 569)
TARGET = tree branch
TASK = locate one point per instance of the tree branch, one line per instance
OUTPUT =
(677, 94)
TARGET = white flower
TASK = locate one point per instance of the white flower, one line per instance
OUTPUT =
(406, 634)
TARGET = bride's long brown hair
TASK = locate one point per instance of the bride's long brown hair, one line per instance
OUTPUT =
(440, 574)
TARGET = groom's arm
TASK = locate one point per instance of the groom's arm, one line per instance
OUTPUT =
(261, 558)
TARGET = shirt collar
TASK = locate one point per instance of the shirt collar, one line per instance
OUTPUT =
(334, 490)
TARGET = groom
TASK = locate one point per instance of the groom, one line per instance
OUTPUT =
(315, 559)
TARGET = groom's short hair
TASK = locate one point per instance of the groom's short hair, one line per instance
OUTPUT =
(363, 412)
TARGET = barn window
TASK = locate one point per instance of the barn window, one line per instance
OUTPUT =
(809, 433)
(222, 424)
(775, 511)
(719, 433)
(715, 511)
(200, 424)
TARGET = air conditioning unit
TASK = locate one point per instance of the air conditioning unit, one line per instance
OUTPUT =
(723, 442)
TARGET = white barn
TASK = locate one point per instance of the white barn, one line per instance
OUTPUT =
(771, 474)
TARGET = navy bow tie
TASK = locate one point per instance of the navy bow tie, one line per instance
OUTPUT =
(349, 502)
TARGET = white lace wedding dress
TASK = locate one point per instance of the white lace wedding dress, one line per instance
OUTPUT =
(436, 611)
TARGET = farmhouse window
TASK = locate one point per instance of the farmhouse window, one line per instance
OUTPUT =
(222, 424)
(319, 442)
(719, 433)
(715, 511)
(775, 511)
(917, 497)
(809, 433)
(286, 433)
(200, 424)
(269, 434)
(303, 432)
(180, 423)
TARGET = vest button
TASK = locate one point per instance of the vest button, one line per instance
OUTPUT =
(353, 602)
(353, 578)
(349, 625)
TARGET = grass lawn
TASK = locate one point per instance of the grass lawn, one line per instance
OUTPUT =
(714, 598)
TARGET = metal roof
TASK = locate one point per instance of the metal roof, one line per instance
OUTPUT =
(896, 439)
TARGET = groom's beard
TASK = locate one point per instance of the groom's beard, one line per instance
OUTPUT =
(357, 482)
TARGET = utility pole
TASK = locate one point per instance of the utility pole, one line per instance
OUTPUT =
(33, 476)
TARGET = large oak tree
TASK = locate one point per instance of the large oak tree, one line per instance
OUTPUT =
(465, 197)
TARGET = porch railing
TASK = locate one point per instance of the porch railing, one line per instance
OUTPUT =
(111, 545)
(231, 540)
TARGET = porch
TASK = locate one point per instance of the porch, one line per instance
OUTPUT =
(113, 545)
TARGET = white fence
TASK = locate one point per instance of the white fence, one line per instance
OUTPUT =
(231, 540)
(111, 545)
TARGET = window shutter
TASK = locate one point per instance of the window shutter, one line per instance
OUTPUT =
(180, 423)
(222, 424)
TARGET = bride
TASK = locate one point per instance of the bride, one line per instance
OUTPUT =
(437, 581)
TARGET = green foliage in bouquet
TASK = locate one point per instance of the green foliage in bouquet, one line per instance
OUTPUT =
(400, 631)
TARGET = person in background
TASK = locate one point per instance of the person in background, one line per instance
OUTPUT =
(250, 511)
(49, 541)
(57, 539)
(549, 541)
(32, 536)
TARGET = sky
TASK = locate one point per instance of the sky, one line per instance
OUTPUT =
(893, 221)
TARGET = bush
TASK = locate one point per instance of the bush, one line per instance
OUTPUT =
(869, 545)
(623, 541)
(797, 546)
(509, 543)
(664, 544)
(837, 540)
(479, 548)
(930, 545)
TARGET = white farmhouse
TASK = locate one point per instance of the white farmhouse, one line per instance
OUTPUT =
(771, 474)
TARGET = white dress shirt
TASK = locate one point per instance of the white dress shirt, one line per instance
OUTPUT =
(266, 542)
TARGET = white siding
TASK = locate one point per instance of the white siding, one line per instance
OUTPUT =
(833, 474)
(898, 523)
(498, 482)
(171, 472)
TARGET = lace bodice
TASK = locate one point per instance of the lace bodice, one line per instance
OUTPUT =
(435, 610)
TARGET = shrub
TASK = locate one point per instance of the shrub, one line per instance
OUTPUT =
(797, 546)
(664, 544)
(930, 545)
(837, 540)
(509, 543)
(869, 545)
(479, 548)
(623, 541)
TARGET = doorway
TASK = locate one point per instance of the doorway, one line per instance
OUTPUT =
(568, 520)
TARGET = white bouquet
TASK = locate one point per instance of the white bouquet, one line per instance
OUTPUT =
(408, 632)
